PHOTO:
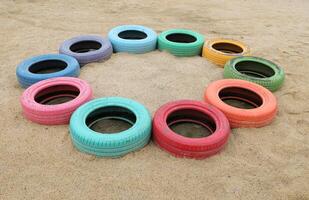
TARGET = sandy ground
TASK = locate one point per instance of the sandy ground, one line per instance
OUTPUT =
(39, 162)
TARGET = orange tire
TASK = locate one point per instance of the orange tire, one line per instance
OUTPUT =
(262, 101)
(219, 51)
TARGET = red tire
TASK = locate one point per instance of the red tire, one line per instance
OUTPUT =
(190, 111)
(36, 100)
(264, 103)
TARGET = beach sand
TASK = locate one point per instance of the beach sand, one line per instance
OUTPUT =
(39, 162)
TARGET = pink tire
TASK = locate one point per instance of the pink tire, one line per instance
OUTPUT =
(38, 101)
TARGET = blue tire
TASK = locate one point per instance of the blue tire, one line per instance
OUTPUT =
(110, 145)
(36, 68)
(133, 39)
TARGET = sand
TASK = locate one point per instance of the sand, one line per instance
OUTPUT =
(39, 162)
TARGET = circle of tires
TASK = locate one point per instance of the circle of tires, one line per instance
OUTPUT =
(200, 112)
(78, 51)
(256, 70)
(87, 48)
(28, 71)
(110, 145)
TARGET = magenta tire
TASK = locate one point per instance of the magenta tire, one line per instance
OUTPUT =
(36, 100)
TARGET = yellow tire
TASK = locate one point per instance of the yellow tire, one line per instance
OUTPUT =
(219, 51)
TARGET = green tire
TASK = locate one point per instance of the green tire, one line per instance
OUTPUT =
(256, 70)
(110, 145)
(181, 42)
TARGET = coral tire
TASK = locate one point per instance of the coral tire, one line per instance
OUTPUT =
(260, 116)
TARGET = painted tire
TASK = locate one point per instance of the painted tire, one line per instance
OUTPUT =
(219, 51)
(133, 39)
(181, 42)
(30, 70)
(190, 111)
(256, 70)
(36, 100)
(264, 103)
(111, 145)
(87, 48)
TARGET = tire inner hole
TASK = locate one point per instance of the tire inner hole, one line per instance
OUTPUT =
(227, 47)
(110, 119)
(132, 35)
(240, 98)
(85, 46)
(181, 38)
(57, 94)
(254, 69)
(191, 123)
(47, 66)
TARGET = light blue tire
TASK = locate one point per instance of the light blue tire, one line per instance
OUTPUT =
(110, 145)
(142, 41)
(27, 71)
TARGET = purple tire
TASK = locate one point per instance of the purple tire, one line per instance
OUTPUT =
(87, 48)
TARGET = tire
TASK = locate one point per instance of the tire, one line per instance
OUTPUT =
(219, 51)
(181, 42)
(31, 70)
(133, 39)
(256, 70)
(262, 101)
(87, 48)
(190, 111)
(36, 100)
(110, 145)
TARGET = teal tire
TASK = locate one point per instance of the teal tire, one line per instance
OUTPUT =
(181, 42)
(256, 70)
(118, 144)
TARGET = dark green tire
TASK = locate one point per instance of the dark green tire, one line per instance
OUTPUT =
(256, 70)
